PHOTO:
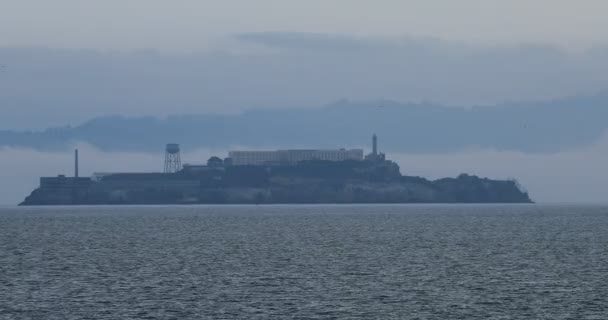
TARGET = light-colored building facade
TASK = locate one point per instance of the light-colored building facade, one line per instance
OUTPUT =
(244, 158)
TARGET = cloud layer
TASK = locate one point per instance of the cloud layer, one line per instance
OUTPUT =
(49, 87)
(192, 24)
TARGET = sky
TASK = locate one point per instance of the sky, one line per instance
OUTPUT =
(42, 87)
(191, 25)
(63, 62)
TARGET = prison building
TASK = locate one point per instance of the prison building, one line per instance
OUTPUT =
(257, 158)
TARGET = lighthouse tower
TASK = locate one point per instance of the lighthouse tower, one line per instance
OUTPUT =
(375, 145)
(375, 156)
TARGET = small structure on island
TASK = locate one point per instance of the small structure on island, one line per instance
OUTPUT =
(75, 163)
(173, 161)
(375, 156)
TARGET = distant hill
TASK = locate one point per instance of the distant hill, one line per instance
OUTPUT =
(530, 127)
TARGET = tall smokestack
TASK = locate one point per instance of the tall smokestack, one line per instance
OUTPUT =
(76, 163)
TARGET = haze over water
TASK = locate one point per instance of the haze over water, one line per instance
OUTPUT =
(274, 262)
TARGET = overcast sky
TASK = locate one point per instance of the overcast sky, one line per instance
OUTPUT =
(160, 57)
(186, 25)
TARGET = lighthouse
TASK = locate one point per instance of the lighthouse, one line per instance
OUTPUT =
(375, 145)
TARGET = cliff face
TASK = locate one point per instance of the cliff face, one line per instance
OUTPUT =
(310, 182)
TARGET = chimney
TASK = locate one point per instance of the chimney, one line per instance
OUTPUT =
(76, 163)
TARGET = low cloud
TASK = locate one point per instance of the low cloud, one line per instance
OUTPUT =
(51, 87)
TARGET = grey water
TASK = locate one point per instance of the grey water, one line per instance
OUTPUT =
(305, 262)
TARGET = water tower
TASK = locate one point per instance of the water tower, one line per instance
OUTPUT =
(173, 161)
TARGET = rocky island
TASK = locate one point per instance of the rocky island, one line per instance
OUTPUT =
(274, 177)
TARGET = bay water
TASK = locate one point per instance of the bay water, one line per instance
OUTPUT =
(305, 262)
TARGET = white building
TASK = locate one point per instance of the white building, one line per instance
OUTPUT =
(243, 158)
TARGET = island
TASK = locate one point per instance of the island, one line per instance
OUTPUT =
(303, 176)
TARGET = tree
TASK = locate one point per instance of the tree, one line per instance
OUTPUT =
(215, 162)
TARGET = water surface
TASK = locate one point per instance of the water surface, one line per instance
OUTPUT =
(277, 262)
